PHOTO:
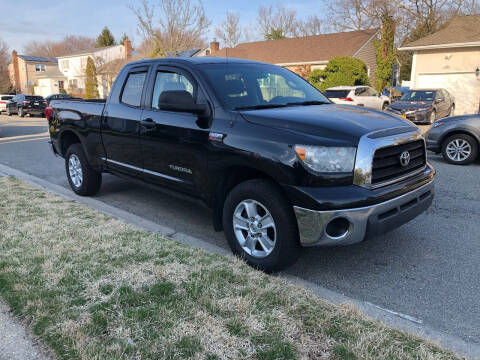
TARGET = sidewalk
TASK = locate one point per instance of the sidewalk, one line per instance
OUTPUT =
(15, 343)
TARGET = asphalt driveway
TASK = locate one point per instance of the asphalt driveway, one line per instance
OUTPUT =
(427, 269)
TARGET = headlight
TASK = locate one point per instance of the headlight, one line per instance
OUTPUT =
(327, 159)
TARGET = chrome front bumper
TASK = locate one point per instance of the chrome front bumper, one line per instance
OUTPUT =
(361, 222)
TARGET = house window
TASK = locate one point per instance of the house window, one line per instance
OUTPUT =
(40, 68)
(83, 63)
(73, 83)
(65, 64)
(61, 85)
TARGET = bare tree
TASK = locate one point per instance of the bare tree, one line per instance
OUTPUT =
(229, 31)
(350, 15)
(68, 45)
(4, 60)
(179, 25)
(277, 19)
(311, 26)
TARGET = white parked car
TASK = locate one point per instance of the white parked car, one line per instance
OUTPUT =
(3, 102)
(357, 95)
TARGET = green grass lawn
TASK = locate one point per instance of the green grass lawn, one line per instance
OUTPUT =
(92, 287)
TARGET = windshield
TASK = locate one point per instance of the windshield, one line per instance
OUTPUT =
(419, 96)
(256, 86)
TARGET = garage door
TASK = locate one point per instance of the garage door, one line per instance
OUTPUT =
(465, 88)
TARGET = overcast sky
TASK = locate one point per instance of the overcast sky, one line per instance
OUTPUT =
(34, 19)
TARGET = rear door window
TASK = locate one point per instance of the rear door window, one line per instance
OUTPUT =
(336, 93)
(6, 98)
(133, 88)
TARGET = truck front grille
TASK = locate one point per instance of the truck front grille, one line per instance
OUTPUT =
(387, 167)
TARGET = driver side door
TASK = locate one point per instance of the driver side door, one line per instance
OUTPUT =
(174, 144)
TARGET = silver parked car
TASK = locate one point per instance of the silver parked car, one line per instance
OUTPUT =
(357, 95)
(3, 102)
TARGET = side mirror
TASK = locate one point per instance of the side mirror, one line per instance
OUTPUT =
(439, 100)
(180, 101)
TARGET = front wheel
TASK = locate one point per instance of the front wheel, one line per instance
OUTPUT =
(460, 149)
(8, 112)
(451, 111)
(260, 225)
(433, 117)
(83, 179)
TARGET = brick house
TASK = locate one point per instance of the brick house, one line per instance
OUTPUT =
(24, 71)
(304, 54)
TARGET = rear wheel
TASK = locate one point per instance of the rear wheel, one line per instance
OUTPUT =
(260, 225)
(83, 179)
(385, 105)
(460, 149)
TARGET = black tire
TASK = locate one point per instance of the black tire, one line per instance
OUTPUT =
(91, 179)
(287, 246)
(8, 112)
(432, 117)
(461, 137)
(20, 112)
(385, 105)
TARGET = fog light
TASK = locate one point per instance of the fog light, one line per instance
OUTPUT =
(338, 227)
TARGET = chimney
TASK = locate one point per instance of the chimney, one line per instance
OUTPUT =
(128, 48)
(16, 72)
(214, 47)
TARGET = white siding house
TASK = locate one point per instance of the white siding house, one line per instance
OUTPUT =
(73, 66)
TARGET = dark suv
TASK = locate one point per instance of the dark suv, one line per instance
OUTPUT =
(57, 97)
(26, 104)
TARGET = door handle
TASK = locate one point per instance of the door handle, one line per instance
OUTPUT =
(148, 123)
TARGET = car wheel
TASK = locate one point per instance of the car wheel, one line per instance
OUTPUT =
(451, 111)
(260, 225)
(385, 105)
(20, 112)
(83, 179)
(8, 112)
(432, 117)
(460, 149)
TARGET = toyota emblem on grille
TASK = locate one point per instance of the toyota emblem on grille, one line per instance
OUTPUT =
(405, 158)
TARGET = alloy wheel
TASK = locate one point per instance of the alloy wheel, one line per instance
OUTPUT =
(75, 170)
(254, 228)
(458, 150)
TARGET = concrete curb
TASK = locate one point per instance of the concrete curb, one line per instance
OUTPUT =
(385, 316)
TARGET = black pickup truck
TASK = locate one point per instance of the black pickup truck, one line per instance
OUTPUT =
(280, 166)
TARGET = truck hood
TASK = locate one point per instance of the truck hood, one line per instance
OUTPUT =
(327, 121)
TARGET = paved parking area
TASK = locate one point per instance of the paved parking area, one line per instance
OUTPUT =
(427, 269)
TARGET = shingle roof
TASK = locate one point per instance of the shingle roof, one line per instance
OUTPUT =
(315, 48)
(88, 51)
(37, 58)
(462, 29)
(54, 72)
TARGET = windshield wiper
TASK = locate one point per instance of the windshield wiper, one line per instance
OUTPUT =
(261, 106)
(307, 103)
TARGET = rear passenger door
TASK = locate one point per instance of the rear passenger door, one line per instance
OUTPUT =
(121, 123)
(174, 144)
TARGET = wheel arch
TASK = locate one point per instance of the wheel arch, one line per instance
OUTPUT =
(66, 139)
(228, 179)
(459, 132)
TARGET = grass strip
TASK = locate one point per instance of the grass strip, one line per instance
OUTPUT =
(92, 287)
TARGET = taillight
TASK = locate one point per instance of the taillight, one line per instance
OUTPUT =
(25, 102)
(3, 102)
(346, 98)
(48, 113)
